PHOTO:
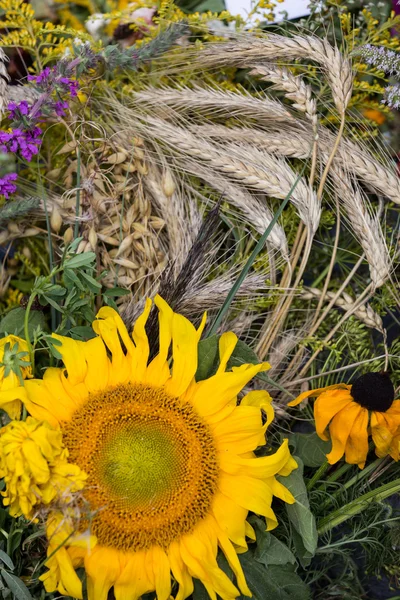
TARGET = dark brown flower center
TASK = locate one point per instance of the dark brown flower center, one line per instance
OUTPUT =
(374, 391)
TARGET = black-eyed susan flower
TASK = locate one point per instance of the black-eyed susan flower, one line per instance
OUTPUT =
(348, 414)
(33, 463)
(14, 368)
(171, 472)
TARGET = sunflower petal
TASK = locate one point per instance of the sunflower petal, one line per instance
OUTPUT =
(180, 572)
(142, 349)
(261, 399)
(185, 340)
(103, 568)
(340, 428)
(73, 356)
(227, 343)
(357, 444)
(326, 406)
(10, 401)
(317, 392)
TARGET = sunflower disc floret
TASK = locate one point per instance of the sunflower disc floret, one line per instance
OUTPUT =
(170, 463)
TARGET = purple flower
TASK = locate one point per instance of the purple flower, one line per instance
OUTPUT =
(27, 143)
(17, 110)
(6, 187)
(44, 78)
(60, 107)
(68, 85)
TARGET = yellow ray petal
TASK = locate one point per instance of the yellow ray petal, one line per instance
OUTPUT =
(232, 558)
(340, 428)
(261, 399)
(252, 494)
(227, 343)
(133, 581)
(260, 468)
(142, 349)
(103, 567)
(98, 365)
(280, 491)
(73, 356)
(231, 518)
(381, 434)
(242, 431)
(357, 443)
(10, 401)
(158, 369)
(198, 554)
(41, 405)
(213, 394)
(180, 572)
(326, 406)
(158, 562)
(108, 330)
(185, 339)
(317, 392)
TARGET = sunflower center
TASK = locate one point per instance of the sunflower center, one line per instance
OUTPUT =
(374, 391)
(151, 465)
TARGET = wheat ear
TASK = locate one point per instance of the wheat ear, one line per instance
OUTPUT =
(4, 79)
(250, 167)
(364, 313)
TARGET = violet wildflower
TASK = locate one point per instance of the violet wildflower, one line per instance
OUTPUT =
(17, 110)
(60, 107)
(392, 96)
(44, 79)
(6, 185)
(27, 143)
(68, 85)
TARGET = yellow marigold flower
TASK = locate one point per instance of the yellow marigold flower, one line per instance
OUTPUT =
(349, 413)
(13, 356)
(170, 462)
(33, 463)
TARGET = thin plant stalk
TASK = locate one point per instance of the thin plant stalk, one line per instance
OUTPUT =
(260, 244)
(78, 192)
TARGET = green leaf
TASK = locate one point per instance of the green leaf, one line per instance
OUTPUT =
(92, 284)
(270, 550)
(299, 513)
(82, 333)
(272, 582)
(310, 448)
(44, 299)
(13, 322)
(71, 279)
(199, 591)
(6, 560)
(208, 358)
(80, 260)
(116, 292)
(16, 585)
(241, 355)
(54, 290)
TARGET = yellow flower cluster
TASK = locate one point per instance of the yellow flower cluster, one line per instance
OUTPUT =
(33, 463)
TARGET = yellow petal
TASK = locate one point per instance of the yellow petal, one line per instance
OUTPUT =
(180, 572)
(133, 581)
(185, 340)
(10, 401)
(261, 399)
(108, 330)
(98, 365)
(213, 394)
(231, 518)
(227, 343)
(158, 562)
(103, 568)
(260, 468)
(158, 369)
(250, 493)
(232, 558)
(37, 463)
(142, 349)
(73, 355)
(340, 428)
(381, 434)
(43, 405)
(317, 392)
(357, 444)
(327, 405)
(242, 431)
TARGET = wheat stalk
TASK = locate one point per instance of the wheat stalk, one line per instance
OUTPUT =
(246, 51)
(364, 313)
(4, 79)
(366, 227)
(294, 87)
(221, 102)
(250, 167)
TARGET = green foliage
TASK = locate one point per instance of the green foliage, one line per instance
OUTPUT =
(310, 448)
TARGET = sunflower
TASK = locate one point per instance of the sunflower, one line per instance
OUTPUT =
(348, 414)
(14, 368)
(171, 472)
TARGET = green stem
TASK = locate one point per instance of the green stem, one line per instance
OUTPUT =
(260, 244)
(78, 193)
(26, 331)
(317, 475)
(354, 508)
